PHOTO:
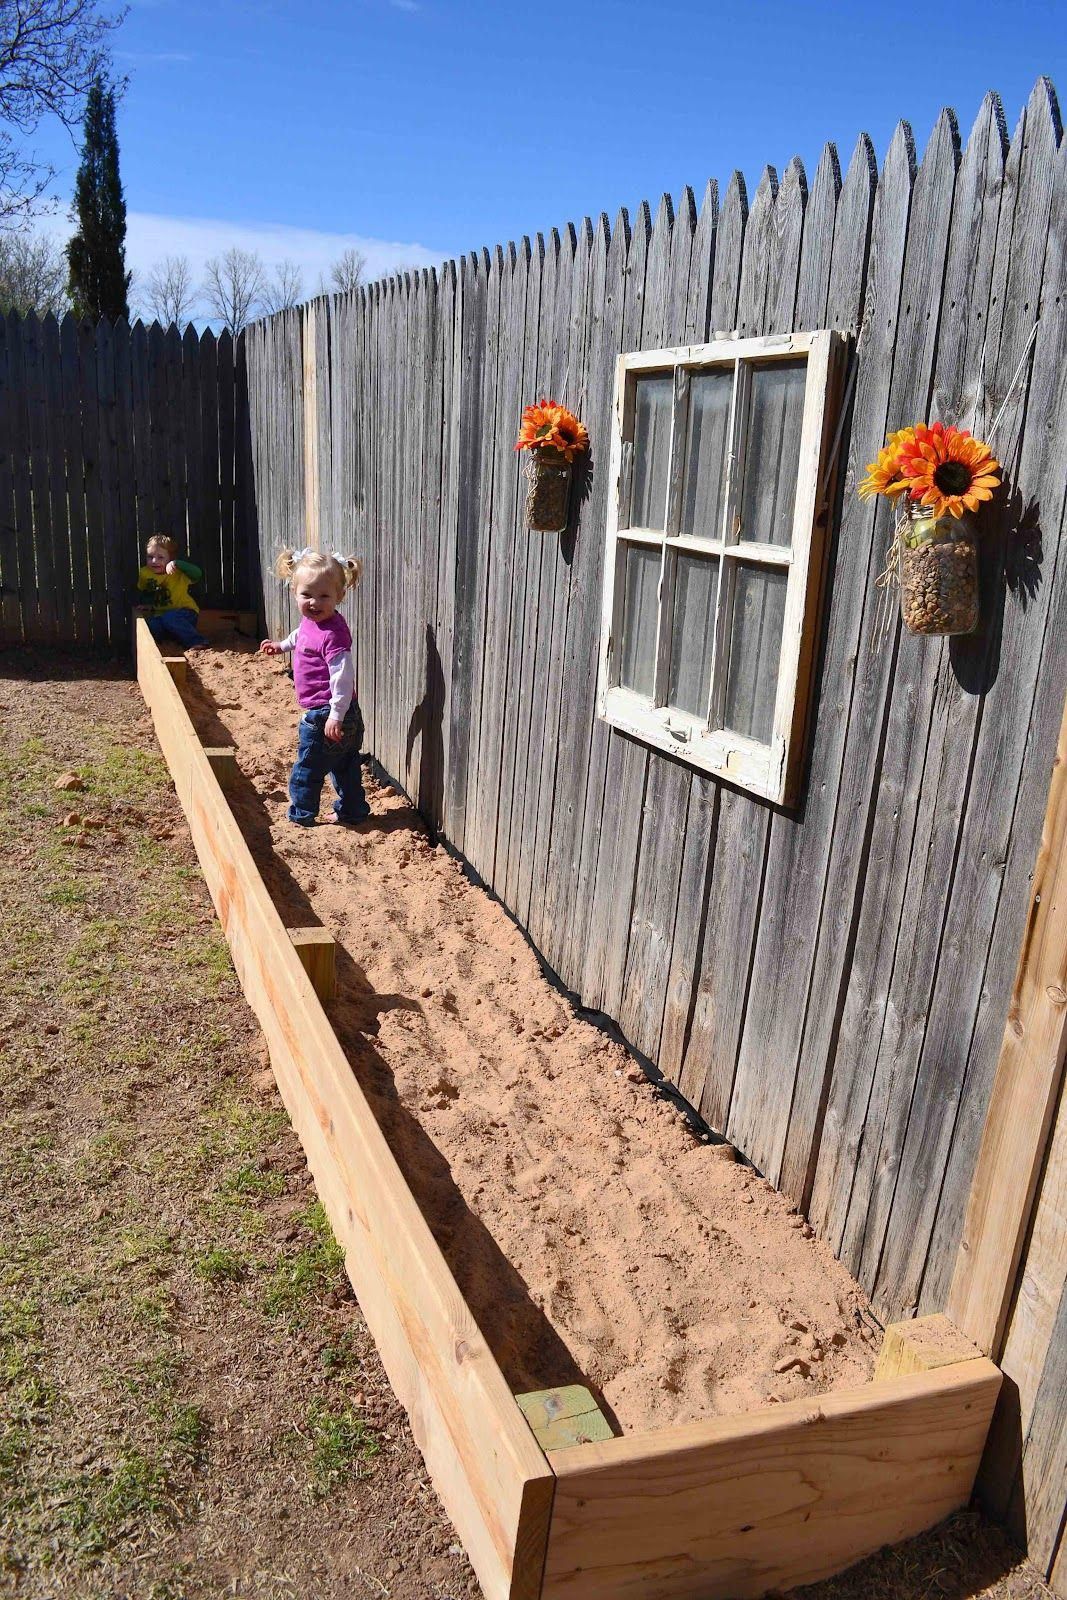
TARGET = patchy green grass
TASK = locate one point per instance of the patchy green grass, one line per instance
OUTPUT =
(208, 958)
(100, 1506)
(220, 1265)
(341, 1445)
(315, 1270)
(252, 1183)
(123, 772)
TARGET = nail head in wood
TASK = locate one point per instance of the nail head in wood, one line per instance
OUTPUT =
(318, 951)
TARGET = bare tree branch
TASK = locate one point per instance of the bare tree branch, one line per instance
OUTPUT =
(346, 273)
(169, 292)
(33, 275)
(286, 288)
(234, 286)
(51, 52)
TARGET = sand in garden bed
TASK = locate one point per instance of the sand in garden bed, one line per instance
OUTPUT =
(594, 1238)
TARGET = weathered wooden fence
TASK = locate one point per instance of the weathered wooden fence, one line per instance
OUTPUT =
(829, 983)
(107, 435)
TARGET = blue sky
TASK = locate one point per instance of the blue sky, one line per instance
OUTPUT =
(421, 128)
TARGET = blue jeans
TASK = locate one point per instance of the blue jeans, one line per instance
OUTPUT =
(316, 756)
(178, 624)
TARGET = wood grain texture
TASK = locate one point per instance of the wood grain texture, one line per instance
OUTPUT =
(730, 1509)
(488, 1469)
(1025, 1094)
(1022, 712)
(921, 1345)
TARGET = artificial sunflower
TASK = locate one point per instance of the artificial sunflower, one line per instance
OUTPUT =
(548, 426)
(947, 470)
(883, 475)
(538, 423)
(569, 436)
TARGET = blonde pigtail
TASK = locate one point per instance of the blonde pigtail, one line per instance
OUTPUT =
(285, 565)
(353, 570)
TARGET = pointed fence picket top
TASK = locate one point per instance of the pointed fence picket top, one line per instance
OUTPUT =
(819, 218)
(853, 227)
(729, 244)
(702, 265)
(787, 228)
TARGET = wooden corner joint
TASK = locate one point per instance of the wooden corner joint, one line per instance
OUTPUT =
(922, 1345)
(563, 1417)
(317, 950)
(223, 762)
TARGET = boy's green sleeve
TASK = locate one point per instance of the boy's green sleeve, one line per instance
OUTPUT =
(191, 570)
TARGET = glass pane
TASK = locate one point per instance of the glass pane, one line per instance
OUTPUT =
(640, 605)
(772, 452)
(652, 443)
(707, 437)
(695, 582)
(755, 646)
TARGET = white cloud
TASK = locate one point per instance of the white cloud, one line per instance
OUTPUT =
(150, 58)
(150, 237)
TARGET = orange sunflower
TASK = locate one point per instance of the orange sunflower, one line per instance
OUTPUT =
(538, 422)
(883, 475)
(947, 470)
(548, 426)
(570, 436)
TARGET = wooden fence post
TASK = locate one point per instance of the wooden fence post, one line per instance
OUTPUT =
(1025, 1091)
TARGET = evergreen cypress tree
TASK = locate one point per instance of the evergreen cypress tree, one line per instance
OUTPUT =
(97, 253)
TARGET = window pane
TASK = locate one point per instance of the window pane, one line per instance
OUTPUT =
(695, 581)
(772, 452)
(707, 437)
(640, 605)
(755, 646)
(652, 442)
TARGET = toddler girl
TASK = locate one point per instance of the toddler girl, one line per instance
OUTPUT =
(331, 729)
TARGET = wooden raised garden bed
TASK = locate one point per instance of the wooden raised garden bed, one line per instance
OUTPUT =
(729, 1507)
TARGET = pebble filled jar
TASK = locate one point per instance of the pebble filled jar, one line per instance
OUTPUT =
(938, 573)
(548, 498)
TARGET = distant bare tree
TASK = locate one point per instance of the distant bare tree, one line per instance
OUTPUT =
(285, 289)
(346, 273)
(33, 275)
(169, 293)
(234, 286)
(51, 53)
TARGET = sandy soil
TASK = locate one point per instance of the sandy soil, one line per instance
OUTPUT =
(594, 1236)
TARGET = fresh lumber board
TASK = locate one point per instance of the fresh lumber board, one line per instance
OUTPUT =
(485, 1464)
(1025, 1089)
(564, 1417)
(921, 1345)
(728, 1509)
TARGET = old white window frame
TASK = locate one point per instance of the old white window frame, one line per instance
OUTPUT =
(770, 770)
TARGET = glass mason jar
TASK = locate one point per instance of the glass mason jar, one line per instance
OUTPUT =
(938, 573)
(549, 496)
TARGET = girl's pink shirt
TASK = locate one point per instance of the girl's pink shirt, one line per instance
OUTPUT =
(317, 645)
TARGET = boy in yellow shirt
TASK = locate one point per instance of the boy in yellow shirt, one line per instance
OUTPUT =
(164, 582)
